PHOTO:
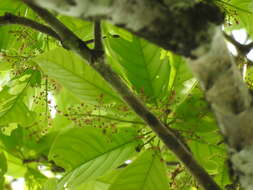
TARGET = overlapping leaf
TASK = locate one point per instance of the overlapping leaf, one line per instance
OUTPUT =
(146, 173)
(12, 107)
(181, 81)
(143, 65)
(76, 76)
(89, 153)
(50, 184)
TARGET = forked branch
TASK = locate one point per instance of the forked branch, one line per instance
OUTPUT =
(168, 136)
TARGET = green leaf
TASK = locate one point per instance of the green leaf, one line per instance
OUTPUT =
(9, 6)
(16, 168)
(181, 81)
(82, 28)
(143, 65)
(12, 107)
(4, 66)
(65, 99)
(146, 173)
(240, 14)
(90, 153)
(110, 29)
(50, 184)
(7, 40)
(94, 185)
(3, 164)
(75, 75)
(222, 176)
(34, 178)
(213, 158)
(2, 180)
(195, 115)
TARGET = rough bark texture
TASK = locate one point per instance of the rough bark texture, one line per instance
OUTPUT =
(96, 59)
(189, 29)
(231, 102)
(171, 27)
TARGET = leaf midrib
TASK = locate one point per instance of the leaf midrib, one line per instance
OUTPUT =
(108, 151)
(85, 80)
(18, 96)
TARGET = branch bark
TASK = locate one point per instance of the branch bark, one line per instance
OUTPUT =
(244, 49)
(9, 18)
(190, 29)
(98, 46)
(97, 61)
(173, 27)
(231, 102)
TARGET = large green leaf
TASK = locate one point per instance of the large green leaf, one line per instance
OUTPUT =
(75, 75)
(145, 173)
(143, 65)
(12, 107)
(89, 153)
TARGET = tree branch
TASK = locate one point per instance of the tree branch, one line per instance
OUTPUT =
(68, 38)
(243, 49)
(98, 46)
(167, 135)
(166, 26)
(109, 118)
(190, 29)
(9, 18)
(104, 37)
(230, 100)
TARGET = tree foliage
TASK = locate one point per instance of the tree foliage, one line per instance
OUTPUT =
(64, 127)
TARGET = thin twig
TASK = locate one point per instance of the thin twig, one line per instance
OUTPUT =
(46, 99)
(9, 18)
(98, 46)
(104, 37)
(243, 49)
(109, 118)
(167, 135)
(68, 38)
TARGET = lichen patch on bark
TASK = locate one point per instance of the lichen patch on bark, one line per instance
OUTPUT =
(180, 29)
